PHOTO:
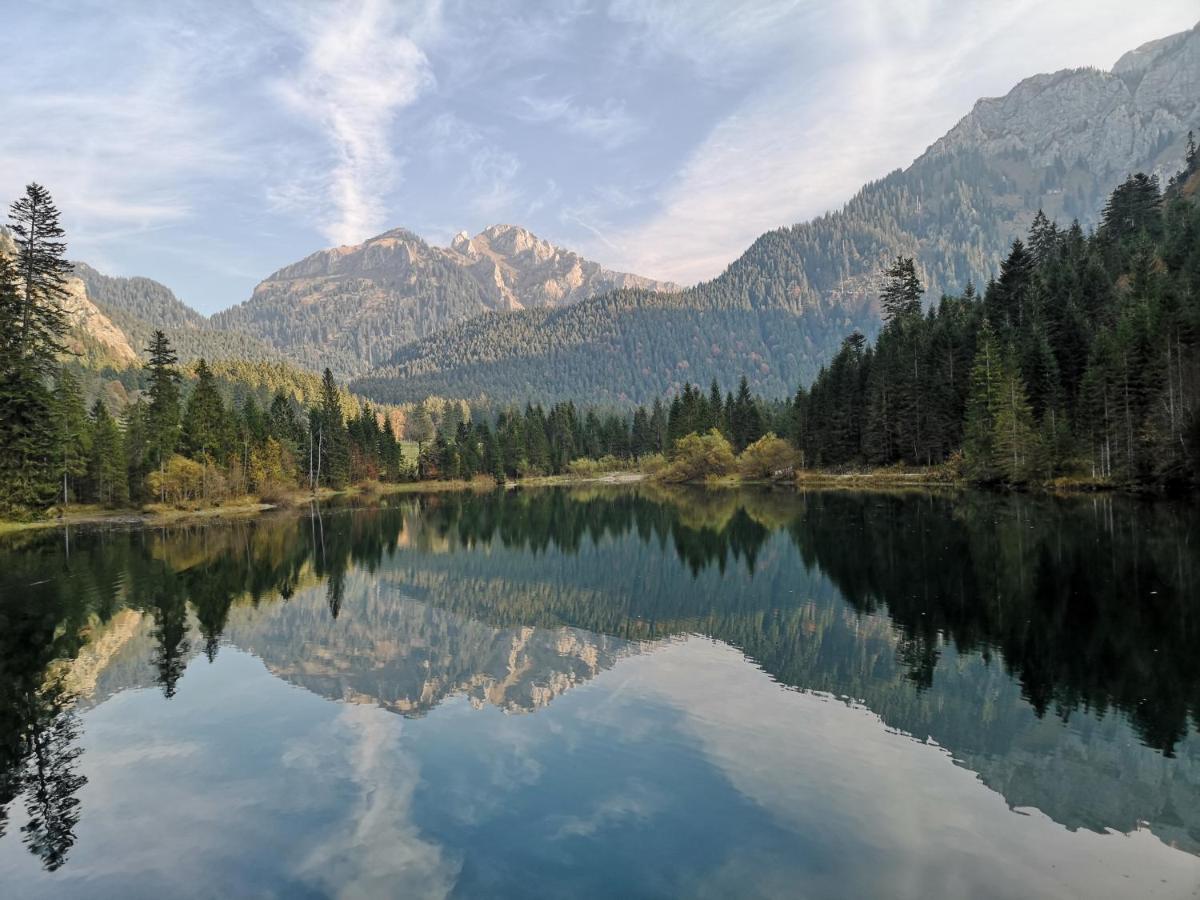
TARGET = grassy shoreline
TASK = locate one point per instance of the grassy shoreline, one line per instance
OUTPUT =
(881, 479)
(152, 514)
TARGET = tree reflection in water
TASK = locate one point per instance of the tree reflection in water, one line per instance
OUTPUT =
(1090, 605)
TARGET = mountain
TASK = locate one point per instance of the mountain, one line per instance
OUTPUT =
(91, 335)
(138, 306)
(1058, 142)
(351, 307)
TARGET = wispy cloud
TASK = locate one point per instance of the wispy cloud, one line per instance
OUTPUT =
(608, 124)
(658, 137)
(843, 96)
(359, 67)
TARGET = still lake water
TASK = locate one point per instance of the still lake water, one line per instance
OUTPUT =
(608, 693)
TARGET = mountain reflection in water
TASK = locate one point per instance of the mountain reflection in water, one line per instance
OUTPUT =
(1050, 646)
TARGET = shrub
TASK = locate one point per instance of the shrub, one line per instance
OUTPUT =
(766, 456)
(696, 457)
(179, 481)
(585, 468)
(652, 464)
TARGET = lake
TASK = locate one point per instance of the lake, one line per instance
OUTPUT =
(608, 692)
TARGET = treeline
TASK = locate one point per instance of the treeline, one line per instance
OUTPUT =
(203, 436)
(565, 438)
(1078, 360)
(777, 313)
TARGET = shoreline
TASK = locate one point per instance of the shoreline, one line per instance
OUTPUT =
(883, 480)
(154, 514)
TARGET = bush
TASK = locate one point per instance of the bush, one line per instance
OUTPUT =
(696, 457)
(652, 464)
(179, 481)
(765, 457)
(586, 468)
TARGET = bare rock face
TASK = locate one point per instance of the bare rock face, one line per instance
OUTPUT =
(1112, 121)
(352, 306)
(91, 334)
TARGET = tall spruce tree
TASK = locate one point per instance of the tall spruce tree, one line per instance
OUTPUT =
(902, 290)
(206, 424)
(72, 434)
(42, 271)
(162, 414)
(32, 327)
(331, 441)
(106, 469)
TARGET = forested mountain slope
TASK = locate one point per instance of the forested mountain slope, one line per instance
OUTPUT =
(138, 306)
(1057, 142)
(351, 307)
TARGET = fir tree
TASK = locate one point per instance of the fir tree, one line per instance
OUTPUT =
(205, 425)
(161, 419)
(331, 440)
(72, 435)
(32, 327)
(902, 290)
(106, 468)
(42, 270)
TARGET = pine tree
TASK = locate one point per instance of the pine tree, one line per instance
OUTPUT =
(983, 406)
(1043, 239)
(32, 326)
(1014, 438)
(745, 423)
(419, 425)
(42, 270)
(205, 425)
(72, 434)
(902, 290)
(161, 420)
(137, 445)
(106, 468)
(330, 439)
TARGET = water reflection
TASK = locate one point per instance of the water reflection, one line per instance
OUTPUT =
(1049, 645)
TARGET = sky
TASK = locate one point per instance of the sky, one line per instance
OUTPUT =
(207, 143)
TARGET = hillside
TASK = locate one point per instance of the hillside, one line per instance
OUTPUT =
(1058, 142)
(92, 335)
(137, 306)
(351, 307)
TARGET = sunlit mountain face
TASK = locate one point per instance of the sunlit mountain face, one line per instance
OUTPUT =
(543, 692)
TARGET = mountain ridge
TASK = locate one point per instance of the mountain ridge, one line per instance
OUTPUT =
(1059, 142)
(353, 305)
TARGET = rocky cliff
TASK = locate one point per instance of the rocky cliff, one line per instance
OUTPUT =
(349, 307)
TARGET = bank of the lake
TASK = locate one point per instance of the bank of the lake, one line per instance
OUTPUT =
(158, 514)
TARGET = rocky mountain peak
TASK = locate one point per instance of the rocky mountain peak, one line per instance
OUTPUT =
(355, 305)
(1106, 121)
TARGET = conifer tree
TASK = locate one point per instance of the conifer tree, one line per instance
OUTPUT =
(983, 406)
(1014, 438)
(419, 425)
(205, 425)
(32, 326)
(72, 435)
(106, 469)
(162, 414)
(902, 290)
(331, 440)
(42, 270)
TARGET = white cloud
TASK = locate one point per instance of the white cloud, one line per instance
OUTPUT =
(359, 68)
(852, 93)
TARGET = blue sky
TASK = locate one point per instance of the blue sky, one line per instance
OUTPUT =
(206, 144)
